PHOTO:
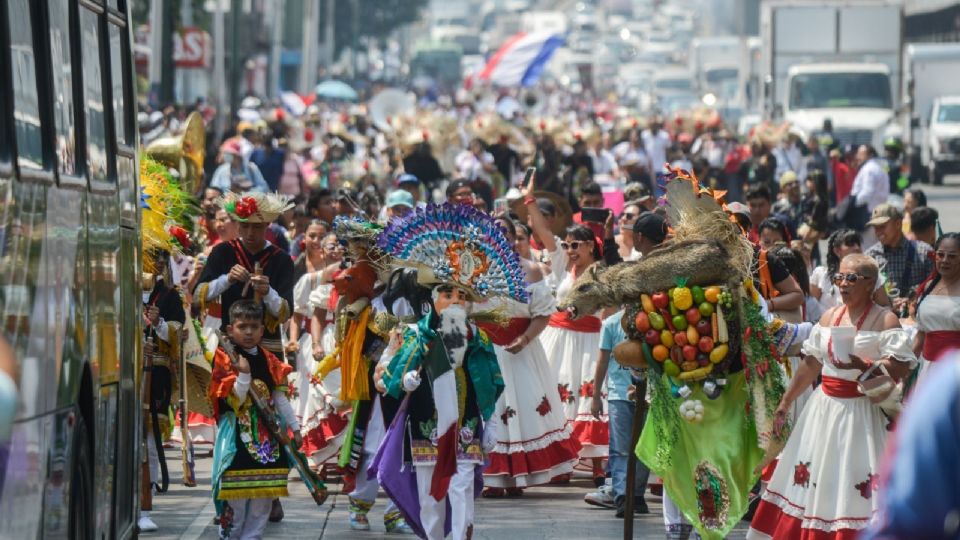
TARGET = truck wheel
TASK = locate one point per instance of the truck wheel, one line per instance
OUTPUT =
(936, 174)
(81, 485)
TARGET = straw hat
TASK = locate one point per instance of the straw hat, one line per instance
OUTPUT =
(253, 207)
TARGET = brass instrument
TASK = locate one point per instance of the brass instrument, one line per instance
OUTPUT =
(184, 152)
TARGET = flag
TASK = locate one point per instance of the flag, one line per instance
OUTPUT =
(443, 380)
(520, 61)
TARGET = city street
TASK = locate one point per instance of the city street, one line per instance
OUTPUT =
(545, 512)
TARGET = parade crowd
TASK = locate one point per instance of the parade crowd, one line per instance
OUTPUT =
(338, 254)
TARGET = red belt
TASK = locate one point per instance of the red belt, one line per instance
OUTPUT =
(588, 324)
(936, 344)
(504, 335)
(840, 388)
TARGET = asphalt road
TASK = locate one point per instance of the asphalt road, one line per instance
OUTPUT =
(542, 513)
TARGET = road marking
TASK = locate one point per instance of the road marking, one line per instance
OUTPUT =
(204, 518)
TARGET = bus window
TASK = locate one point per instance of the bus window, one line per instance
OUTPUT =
(93, 96)
(62, 64)
(117, 78)
(26, 106)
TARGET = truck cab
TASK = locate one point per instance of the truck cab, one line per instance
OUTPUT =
(856, 97)
(941, 143)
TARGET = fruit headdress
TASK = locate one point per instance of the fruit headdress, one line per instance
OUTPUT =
(456, 245)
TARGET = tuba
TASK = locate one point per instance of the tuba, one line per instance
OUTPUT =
(184, 152)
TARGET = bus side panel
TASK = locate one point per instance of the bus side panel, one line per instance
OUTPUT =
(104, 247)
(128, 431)
(24, 315)
(67, 261)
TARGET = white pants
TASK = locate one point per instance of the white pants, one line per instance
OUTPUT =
(460, 494)
(676, 525)
(366, 489)
(249, 519)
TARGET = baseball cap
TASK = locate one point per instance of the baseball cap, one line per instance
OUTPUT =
(787, 178)
(407, 178)
(399, 197)
(652, 226)
(884, 213)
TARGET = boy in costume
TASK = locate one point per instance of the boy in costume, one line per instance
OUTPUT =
(252, 267)
(249, 466)
(445, 422)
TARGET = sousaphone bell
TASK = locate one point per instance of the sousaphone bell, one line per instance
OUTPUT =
(184, 152)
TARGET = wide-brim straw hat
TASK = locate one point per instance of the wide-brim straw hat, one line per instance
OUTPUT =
(254, 207)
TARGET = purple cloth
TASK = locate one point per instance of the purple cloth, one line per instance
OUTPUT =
(398, 479)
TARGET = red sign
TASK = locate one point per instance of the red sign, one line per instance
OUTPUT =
(191, 48)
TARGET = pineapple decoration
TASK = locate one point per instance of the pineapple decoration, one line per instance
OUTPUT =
(682, 296)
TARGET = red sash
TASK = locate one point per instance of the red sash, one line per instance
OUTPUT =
(588, 324)
(504, 335)
(840, 388)
(936, 344)
(263, 257)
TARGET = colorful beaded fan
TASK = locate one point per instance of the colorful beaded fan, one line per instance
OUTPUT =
(457, 245)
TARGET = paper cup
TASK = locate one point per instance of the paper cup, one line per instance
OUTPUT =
(842, 337)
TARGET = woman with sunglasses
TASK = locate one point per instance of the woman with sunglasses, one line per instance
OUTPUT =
(938, 307)
(631, 211)
(825, 482)
(840, 244)
(572, 343)
(323, 428)
(534, 441)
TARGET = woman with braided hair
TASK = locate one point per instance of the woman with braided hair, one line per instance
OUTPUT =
(938, 306)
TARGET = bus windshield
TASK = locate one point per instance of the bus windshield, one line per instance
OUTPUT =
(840, 90)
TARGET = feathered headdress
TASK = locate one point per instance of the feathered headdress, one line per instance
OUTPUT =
(166, 211)
(456, 245)
(254, 207)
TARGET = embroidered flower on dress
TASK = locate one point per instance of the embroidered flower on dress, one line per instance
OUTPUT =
(245, 437)
(868, 486)
(544, 407)
(801, 474)
(264, 452)
(586, 389)
(566, 396)
(466, 435)
(508, 413)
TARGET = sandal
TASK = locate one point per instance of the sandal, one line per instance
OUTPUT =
(515, 492)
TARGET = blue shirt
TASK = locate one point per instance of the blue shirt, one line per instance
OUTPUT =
(270, 165)
(619, 378)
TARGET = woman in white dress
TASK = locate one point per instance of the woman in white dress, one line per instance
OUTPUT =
(534, 441)
(322, 427)
(825, 482)
(573, 344)
(938, 308)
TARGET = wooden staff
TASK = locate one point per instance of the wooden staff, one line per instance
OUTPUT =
(639, 412)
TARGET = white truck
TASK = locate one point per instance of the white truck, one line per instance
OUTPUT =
(833, 60)
(928, 79)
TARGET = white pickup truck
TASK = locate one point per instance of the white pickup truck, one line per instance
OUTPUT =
(941, 146)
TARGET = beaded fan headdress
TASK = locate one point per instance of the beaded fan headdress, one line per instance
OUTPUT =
(456, 245)
(254, 207)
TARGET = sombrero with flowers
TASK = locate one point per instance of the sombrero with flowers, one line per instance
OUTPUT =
(254, 207)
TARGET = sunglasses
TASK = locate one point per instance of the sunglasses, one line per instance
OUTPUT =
(851, 278)
(575, 245)
(627, 216)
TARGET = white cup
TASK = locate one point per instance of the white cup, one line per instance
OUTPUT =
(842, 337)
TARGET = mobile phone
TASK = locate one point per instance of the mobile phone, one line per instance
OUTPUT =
(595, 215)
(528, 176)
(500, 206)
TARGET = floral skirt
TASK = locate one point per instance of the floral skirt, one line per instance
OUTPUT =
(572, 356)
